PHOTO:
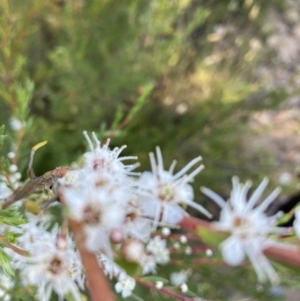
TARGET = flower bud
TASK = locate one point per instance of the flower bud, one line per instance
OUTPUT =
(133, 250)
(117, 236)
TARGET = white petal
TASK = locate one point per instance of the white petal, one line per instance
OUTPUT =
(232, 251)
(257, 194)
(214, 196)
(173, 214)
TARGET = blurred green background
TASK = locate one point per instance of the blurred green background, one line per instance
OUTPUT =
(196, 77)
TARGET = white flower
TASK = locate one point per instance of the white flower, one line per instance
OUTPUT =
(178, 278)
(158, 248)
(103, 159)
(110, 268)
(164, 191)
(159, 284)
(148, 264)
(51, 270)
(249, 227)
(99, 211)
(34, 234)
(137, 225)
(125, 285)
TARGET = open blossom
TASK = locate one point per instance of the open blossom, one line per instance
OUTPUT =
(178, 278)
(104, 160)
(6, 284)
(125, 285)
(136, 224)
(163, 191)
(100, 213)
(50, 268)
(158, 248)
(248, 225)
(148, 264)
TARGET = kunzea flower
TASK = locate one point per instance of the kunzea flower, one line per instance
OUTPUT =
(33, 238)
(164, 191)
(178, 278)
(148, 264)
(99, 211)
(110, 268)
(104, 160)
(53, 270)
(158, 248)
(125, 285)
(248, 226)
(137, 225)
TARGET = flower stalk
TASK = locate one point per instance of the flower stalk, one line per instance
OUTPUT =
(97, 283)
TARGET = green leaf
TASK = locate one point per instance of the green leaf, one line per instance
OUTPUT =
(5, 163)
(132, 269)
(287, 216)
(141, 100)
(212, 238)
(118, 117)
(11, 217)
(2, 128)
(154, 279)
(2, 136)
(5, 263)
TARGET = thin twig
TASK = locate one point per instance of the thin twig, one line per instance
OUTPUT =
(164, 290)
(97, 282)
(13, 247)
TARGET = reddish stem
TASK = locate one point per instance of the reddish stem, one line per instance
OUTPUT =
(98, 285)
(164, 290)
(283, 254)
(198, 261)
(13, 247)
(192, 223)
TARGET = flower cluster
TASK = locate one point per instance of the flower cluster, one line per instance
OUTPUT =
(120, 211)
(248, 226)
(119, 208)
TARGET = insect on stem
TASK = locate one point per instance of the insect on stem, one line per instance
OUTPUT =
(48, 181)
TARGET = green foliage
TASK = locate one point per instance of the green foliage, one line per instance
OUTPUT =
(2, 136)
(5, 261)
(211, 238)
(154, 279)
(146, 73)
(10, 216)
